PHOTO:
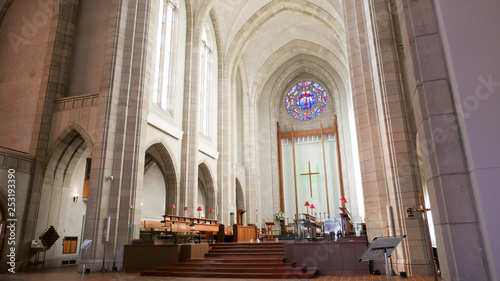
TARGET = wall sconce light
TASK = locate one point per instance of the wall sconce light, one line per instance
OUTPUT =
(75, 198)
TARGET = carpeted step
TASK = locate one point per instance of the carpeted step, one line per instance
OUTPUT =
(240, 269)
(267, 275)
(240, 260)
(237, 260)
(210, 263)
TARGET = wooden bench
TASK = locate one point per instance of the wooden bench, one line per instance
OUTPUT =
(154, 226)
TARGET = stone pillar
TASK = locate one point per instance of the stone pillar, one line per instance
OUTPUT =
(188, 190)
(251, 161)
(386, 138)
(119, 150)
(446, 169)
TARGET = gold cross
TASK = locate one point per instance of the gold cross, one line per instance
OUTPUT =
(310, 174)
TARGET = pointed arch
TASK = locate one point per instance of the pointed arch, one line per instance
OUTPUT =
(72, 129)
(160, 154)
(52, 203)
(205, 176)
(240, 196)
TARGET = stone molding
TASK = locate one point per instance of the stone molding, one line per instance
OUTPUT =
(15, 160)
(70, 103)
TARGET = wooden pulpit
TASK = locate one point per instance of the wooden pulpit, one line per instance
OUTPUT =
(269, 228)
(239, 216)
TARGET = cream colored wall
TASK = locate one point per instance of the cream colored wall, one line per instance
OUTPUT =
(154, 195)
(239, 118)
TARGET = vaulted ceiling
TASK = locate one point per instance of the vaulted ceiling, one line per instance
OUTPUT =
(260, 36)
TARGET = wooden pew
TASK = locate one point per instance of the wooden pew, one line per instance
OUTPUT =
(223, 232)
(154, 226)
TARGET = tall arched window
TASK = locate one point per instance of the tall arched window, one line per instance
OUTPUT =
(205, 85)
(162, 88)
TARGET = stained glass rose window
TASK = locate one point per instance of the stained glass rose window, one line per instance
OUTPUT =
(306, 100)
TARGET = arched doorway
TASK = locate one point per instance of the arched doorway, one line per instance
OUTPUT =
(159, 183)
(63, 200)
(240, 203)
(206, 191)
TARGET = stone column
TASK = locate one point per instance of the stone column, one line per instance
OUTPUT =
(386, 138)
(446, 169)
(119, 150)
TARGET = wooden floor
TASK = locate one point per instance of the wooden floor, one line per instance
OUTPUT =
(71, 274)
(370, 278)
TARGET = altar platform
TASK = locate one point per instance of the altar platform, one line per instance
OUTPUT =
(340, 257)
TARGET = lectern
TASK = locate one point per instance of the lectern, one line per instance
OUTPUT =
(269, 228)
(85, 245)
(382, 248)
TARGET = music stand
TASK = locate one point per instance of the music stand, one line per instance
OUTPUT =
(382, 247)
(85, 245)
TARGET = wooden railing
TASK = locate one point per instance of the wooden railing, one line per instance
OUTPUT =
(190, 225)
(176, 219)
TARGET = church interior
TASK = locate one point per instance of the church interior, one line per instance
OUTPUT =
(137, 134)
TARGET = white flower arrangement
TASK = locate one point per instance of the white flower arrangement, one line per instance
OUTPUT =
(279, 216)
